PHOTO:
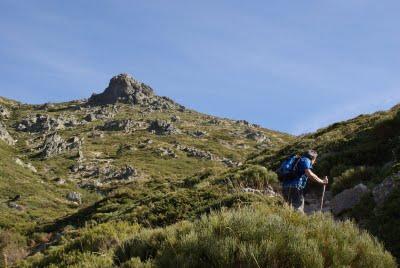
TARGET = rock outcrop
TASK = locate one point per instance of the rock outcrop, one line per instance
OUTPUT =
(382, 191)
(123, 88)
(162, 127)
(257, 136)
(75, 197)
(100, 113)
(4, 112)
(122, 125)
(54, 145)
(166, 152)
(194, 152)
(5, 136)
(44, 123)
(348, 198)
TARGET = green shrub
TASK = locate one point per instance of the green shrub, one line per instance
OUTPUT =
(383, 222)
(256, 237)
(91, 247)
(253, 176)
(103, 237)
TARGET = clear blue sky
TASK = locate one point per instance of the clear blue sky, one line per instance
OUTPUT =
(293, 66)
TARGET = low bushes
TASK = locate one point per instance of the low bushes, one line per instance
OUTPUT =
(253, 176)
(91, 247)
(255, 237)
(352, 176)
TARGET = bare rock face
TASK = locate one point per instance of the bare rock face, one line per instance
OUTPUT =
(382, 191)
(123, 88)
(348, 198)
(54, 145)
(5, 136)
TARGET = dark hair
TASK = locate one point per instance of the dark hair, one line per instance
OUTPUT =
(311, 154)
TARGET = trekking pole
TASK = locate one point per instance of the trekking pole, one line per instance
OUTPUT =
(323, 195)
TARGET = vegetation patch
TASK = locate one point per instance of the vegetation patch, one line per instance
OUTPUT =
(255, 237)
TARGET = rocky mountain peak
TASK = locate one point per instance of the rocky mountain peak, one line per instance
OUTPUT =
(123, 88)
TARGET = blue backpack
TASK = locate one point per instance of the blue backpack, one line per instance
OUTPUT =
(288, 169)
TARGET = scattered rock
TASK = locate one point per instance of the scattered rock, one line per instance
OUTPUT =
(96, 134)
(90, 117)
(198, 134)
(382, 191)
(162, 127)
(175, 118)
(102, 113)
(145, 143)
(55, 145)
(74, 197)
(251, 190)
(348, 198)
(193, 152)
(267, 191)
(28, 166)
(59, 181)
(126, 173)
(5, 136)
(230, 162)
(14, 205)
(257, 136)
(122, 125)
(45, 123)
(166, 152)
(4, 112)
(215, 121)
(242, 122)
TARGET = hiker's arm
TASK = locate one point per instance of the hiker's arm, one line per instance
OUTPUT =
(314, 177)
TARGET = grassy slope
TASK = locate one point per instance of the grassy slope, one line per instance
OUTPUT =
(364, 149)
(183, 188)
(159, 198)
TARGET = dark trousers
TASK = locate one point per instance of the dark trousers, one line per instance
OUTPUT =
(294, 197)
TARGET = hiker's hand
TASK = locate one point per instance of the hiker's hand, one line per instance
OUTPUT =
(325, 180)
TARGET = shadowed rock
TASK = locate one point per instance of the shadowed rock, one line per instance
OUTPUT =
(348, 198)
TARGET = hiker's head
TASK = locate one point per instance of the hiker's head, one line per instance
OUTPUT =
(312, 155)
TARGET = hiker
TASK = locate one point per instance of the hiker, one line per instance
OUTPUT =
(293, 187)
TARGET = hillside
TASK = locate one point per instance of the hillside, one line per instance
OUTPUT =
(126, 177)
(364, 150)
(63, 157)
